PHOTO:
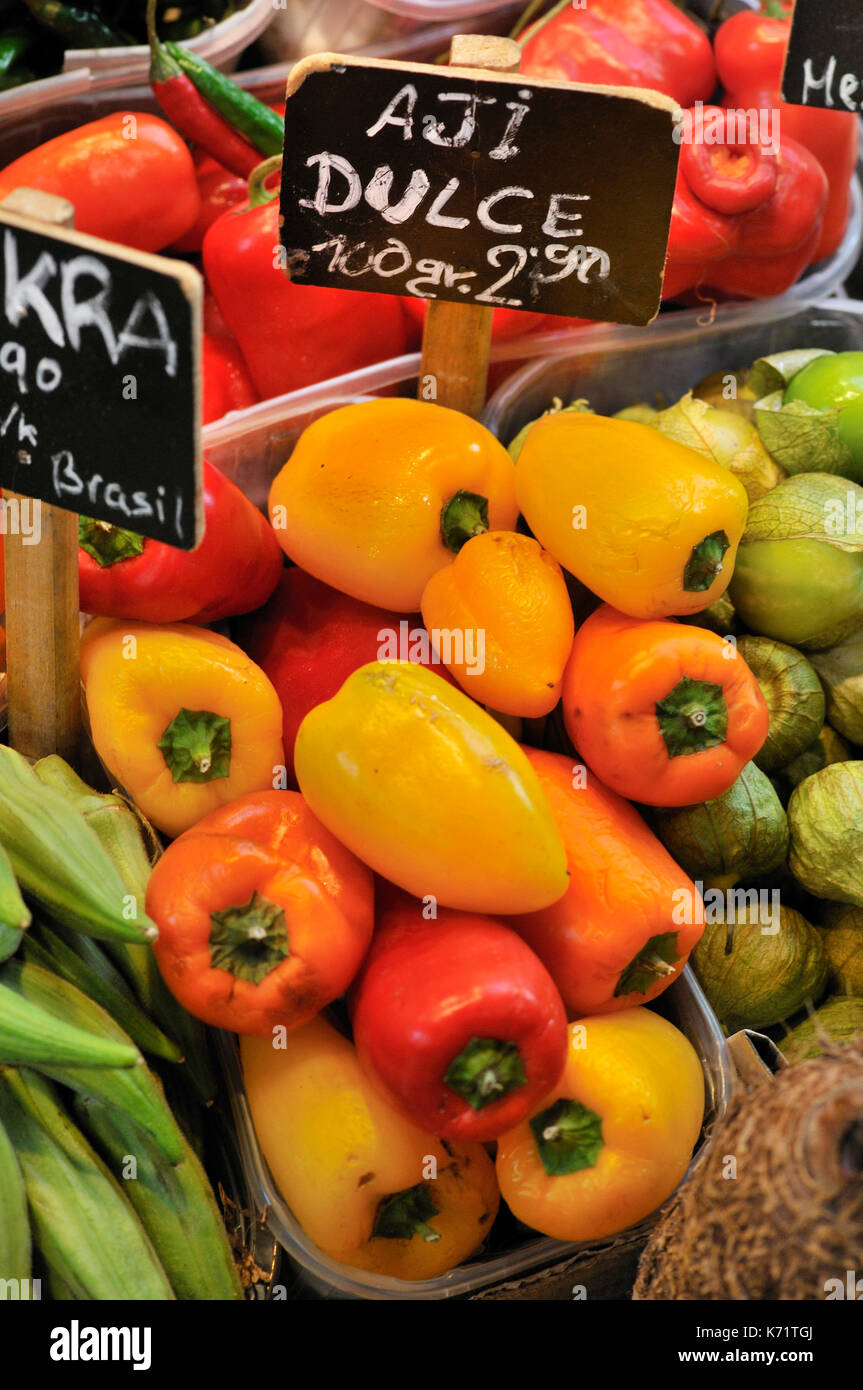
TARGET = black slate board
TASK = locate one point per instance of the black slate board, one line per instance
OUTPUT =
(90, 420)
(824, 65)
(608, 156)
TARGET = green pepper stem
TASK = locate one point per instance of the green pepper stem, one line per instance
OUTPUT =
(258, 194)
(485, 1070)
(465, 515)
(249, 940)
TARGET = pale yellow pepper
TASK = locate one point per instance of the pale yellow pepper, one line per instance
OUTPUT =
(367, 1186)
(426, 788)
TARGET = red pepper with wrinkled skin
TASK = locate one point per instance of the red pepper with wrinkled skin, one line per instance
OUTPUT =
(234, 569)
(225, 381)
(761, 249)
(459, 1020)
(308, 639)
(291, 336)
(750, 56)
(622, 43)
(220, 189)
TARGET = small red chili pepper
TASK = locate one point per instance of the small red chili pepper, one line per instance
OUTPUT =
(184, 106)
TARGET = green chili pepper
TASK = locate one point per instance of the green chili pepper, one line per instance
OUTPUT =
(78, 28)
(12, 44)
(259, 125)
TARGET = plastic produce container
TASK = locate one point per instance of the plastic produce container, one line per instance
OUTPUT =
(84, 68)
(617, 367)
(550, 1267)
(38, 111)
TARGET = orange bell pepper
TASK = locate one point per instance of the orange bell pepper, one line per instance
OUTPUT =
(614, 1138)
(662, 712)
(615, 938)
(377, 497)
(648, 524)
(264, 917)
(509, 592)
(180, 717)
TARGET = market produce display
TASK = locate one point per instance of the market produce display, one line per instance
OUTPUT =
(418, 798)
(754, 206)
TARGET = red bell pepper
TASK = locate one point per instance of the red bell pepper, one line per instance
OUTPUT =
(233, 570)
(220, 189)
(308, 639)
(291, 335)
(622, 43)
(226, 384)
(763, 246)
(459, 1020)
(750, 56)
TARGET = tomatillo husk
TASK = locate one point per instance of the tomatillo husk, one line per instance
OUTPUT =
(795, 699)
(723, 437)
(841, 672)
(755, 975)
(741, 834)
(842, 934)
(825, 817)
(798, 575)
(828, 748)
(839, 1020)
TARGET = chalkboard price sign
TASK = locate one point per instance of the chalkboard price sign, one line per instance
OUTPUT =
(824, 64)
(99, 409)
(493, 190)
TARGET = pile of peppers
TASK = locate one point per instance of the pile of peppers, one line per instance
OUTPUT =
(431, 932)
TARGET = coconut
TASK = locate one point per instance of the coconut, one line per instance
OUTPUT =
(795, 699)
(842, 934)
(774, 1209)
(825, 817)
(755, 975)
(740, 834)
(839, 1020)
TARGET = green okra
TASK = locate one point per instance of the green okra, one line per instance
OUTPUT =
(59, 860)
(87, 1232)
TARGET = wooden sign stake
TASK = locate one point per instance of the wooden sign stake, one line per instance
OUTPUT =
(42, 622)
(457, 337)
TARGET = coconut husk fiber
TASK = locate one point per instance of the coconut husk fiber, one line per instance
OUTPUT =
(792, 1217)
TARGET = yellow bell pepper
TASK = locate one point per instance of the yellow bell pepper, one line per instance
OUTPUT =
(611, 1142)
(180, 716)
(430, 791)
(646, 523)
(367, 1186)
(378, 496)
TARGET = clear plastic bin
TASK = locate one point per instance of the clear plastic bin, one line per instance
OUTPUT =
(617, 367)
(533, 1259)
(38, 111)
(86, 68)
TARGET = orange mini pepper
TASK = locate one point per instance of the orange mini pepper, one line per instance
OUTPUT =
(264, 917)
(378, 496)
(624, 928)
(182, 718)
(662, 712)
(510, 595)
